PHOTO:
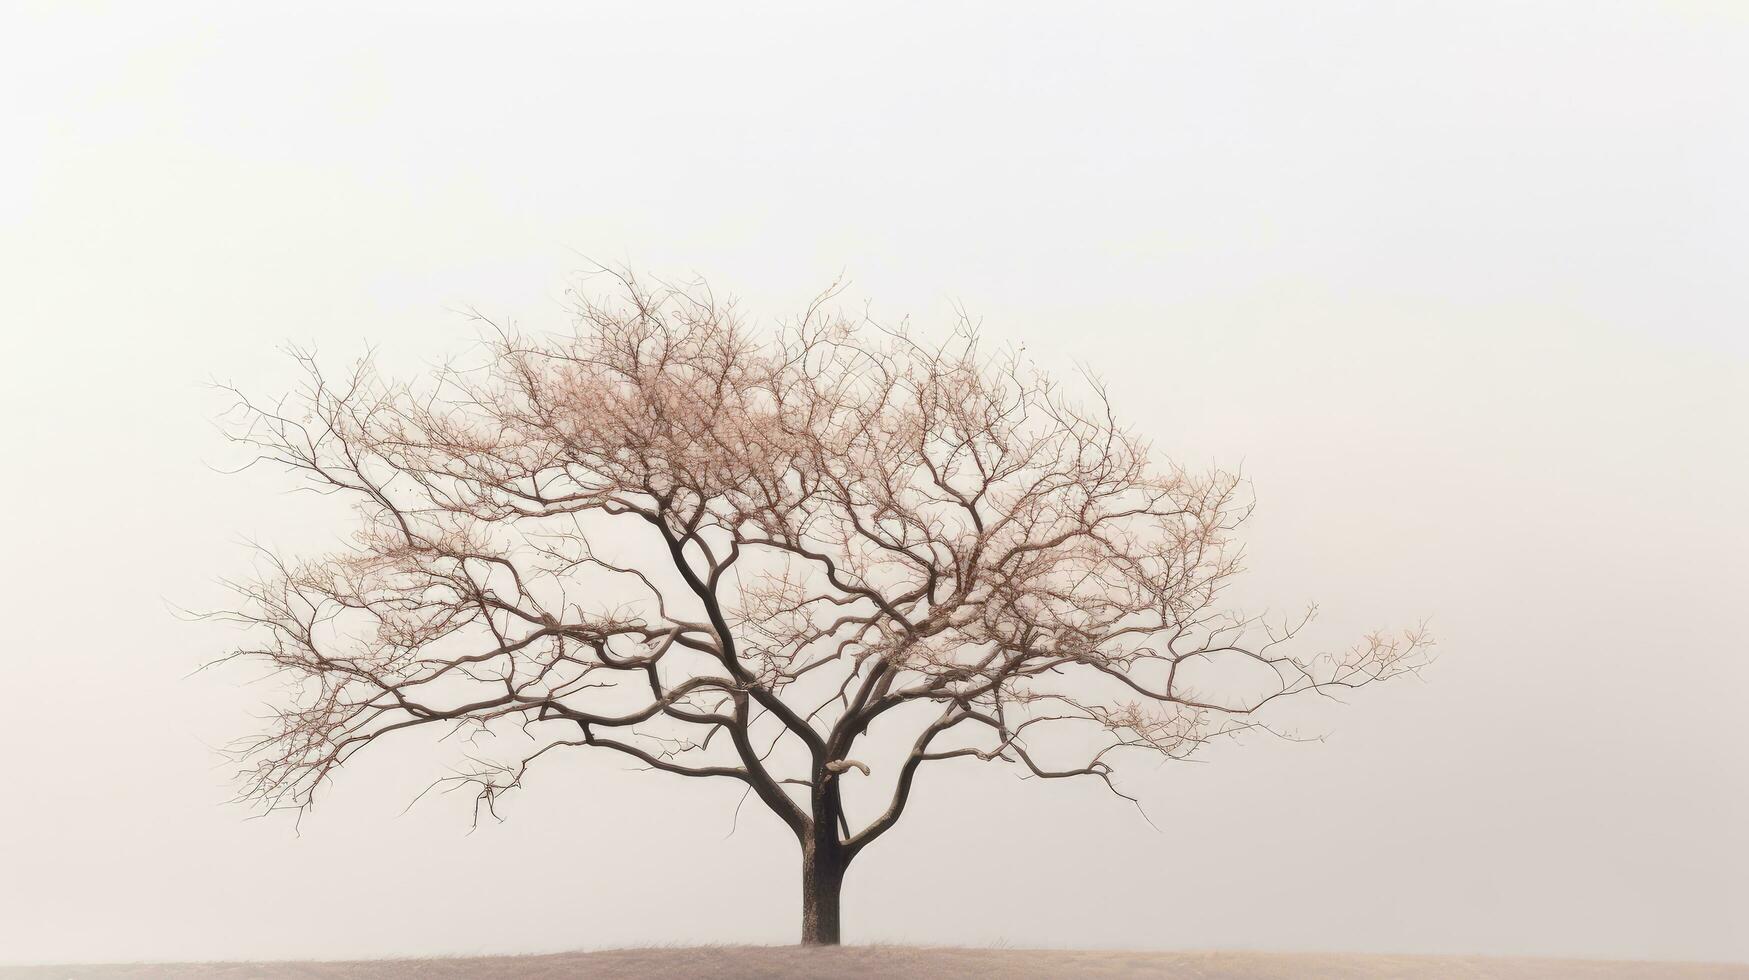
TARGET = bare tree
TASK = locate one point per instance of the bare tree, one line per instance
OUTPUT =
(831, 537)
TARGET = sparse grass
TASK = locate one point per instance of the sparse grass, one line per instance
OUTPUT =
(946, 963)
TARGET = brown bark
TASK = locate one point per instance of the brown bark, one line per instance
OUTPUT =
(823, 870)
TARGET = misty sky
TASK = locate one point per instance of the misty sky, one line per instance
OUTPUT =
(1461, 286)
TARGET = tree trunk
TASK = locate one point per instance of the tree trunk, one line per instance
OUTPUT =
(822, 881)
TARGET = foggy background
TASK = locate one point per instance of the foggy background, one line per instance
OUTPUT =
(1461, 286)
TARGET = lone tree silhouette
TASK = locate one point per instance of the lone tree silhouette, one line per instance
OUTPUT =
(756, 556)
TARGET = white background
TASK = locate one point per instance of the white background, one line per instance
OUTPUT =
(1461, 285)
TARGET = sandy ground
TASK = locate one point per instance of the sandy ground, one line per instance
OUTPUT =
(901, 961)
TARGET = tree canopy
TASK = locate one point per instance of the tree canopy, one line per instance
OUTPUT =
(746, 553)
